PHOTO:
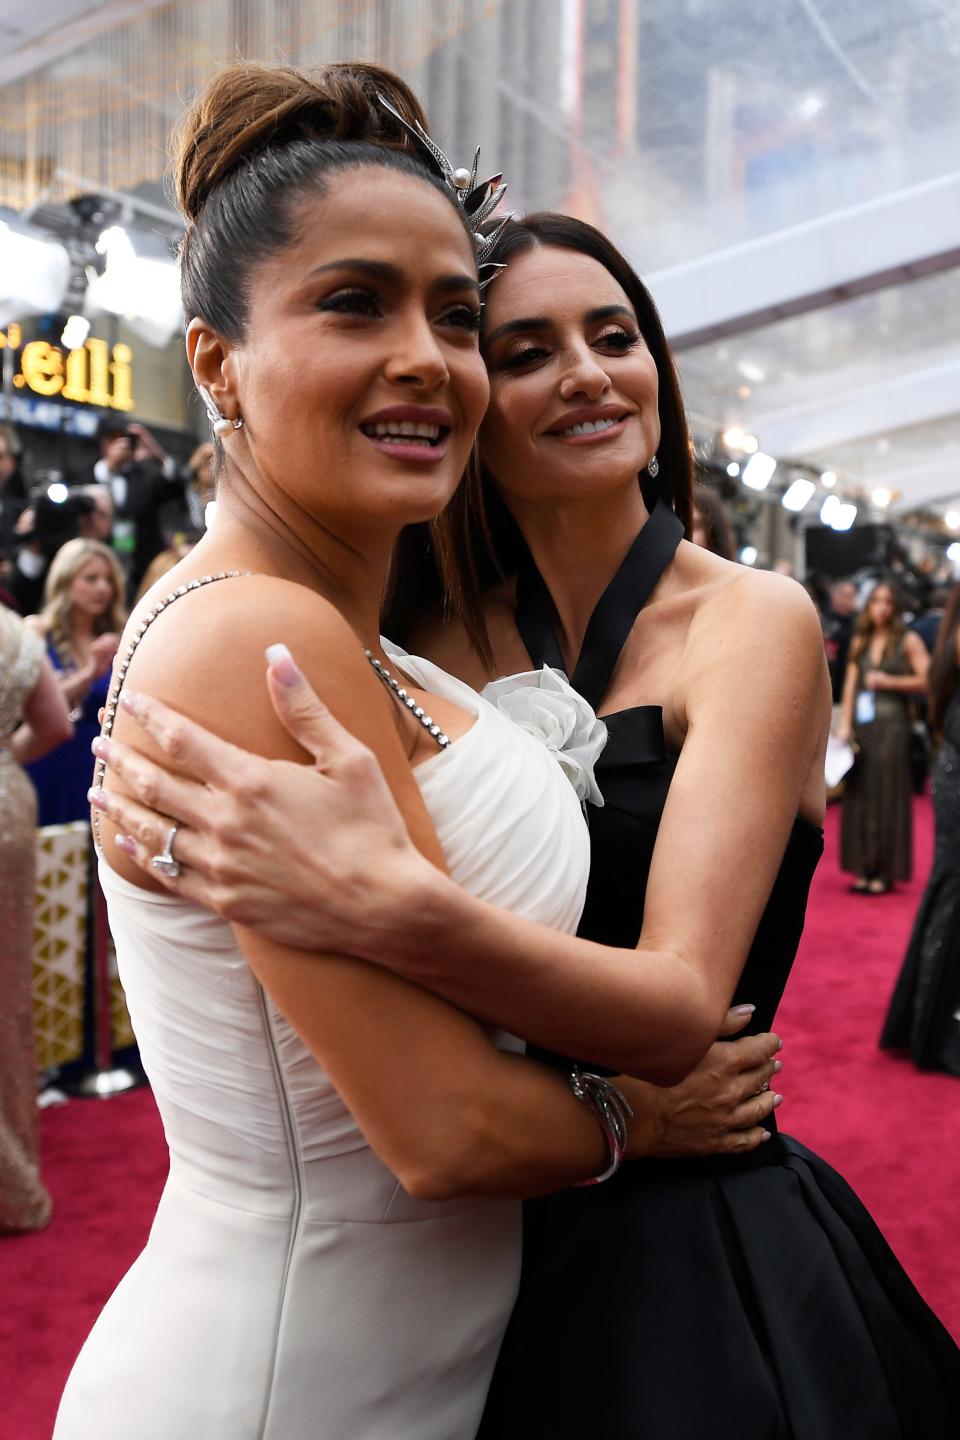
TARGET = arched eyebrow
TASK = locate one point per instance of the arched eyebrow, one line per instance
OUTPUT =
(539, 323)
(392, 274)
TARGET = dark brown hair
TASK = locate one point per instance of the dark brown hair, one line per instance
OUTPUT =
(712, 514)
(863, 632)
(256, 141)
(943, 665)
(475, 542)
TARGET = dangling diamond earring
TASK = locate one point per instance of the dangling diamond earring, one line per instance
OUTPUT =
(653, 468)
(221, 425)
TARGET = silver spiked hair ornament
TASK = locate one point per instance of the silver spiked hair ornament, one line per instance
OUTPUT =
(477, 200)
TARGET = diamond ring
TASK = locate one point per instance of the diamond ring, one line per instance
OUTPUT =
(164, 863)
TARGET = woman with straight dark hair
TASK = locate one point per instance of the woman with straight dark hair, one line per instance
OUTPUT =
(924, 1014)
(749, 1297)
(887, 666)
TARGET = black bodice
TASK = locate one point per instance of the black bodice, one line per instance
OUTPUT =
(635, 770)
(730, 1295)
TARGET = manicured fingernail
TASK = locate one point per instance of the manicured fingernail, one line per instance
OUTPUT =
(778, 1046)
(744, 1009)
(777, 1066)
(98, 798)
(101, 747)
(777, 1100)
(124, 843)
(284, 667)
(130, 700)
(764, 1137)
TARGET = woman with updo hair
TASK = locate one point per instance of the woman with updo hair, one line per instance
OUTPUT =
(337, 1248)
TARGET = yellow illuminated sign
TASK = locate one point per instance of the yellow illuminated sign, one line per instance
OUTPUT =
(93, 374)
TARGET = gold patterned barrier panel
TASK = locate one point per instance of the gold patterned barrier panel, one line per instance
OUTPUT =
(60, 949)
(59, 943)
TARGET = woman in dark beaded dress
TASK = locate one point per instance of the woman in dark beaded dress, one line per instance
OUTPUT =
(887, 667)
(737, 1296)
(924, 1014)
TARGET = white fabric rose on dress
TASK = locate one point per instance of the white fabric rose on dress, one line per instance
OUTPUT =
(545, 704)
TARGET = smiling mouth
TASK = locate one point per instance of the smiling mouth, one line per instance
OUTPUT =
(589, 427)
(406, 432)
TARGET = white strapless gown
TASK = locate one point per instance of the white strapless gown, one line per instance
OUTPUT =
(290, 1289)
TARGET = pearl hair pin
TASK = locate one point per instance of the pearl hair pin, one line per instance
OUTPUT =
(477, 198)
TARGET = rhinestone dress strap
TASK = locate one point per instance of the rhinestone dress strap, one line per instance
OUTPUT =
(409, 703)
(113, 697)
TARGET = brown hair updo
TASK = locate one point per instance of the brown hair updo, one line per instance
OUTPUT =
(256, 140)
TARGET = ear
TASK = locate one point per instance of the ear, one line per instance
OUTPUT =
(211, 359)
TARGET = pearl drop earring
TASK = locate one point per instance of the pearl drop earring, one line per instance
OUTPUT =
(221, 425)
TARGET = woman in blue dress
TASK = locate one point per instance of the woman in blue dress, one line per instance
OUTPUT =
(80, 624)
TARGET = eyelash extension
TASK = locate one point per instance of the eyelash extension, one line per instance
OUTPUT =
(346, 301)
(621, 338)
(364, 302)
(472, 317)
(520, 357)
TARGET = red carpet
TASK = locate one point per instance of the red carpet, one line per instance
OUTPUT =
(895, 1135)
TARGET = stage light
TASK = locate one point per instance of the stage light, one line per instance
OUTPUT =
(34, 275)
(733, 470)
(952, 519)
(829, 508)
(116, 244)
(758, 471)
(844, 516)
(75, 332)
(57, 492)
(953, 552)
(798, 494)
(881, 497)
(146, 293)
(733, 437)
(828, 479)
(751, 444)
(749, 555)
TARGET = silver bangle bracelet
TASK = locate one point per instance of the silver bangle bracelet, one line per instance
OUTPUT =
(612, 1111)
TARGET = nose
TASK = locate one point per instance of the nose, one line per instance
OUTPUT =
(584, 376)
(417, 359)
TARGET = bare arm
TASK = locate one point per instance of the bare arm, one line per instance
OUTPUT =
(654, 1019)
(847, 700)
(444, 1109)
(46, 723)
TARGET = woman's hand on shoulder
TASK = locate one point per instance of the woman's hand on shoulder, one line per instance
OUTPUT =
(208, 668)
(250, 825)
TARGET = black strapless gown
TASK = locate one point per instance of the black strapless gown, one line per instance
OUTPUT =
(743, 1298)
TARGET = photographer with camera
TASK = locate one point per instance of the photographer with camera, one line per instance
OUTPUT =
(141, 478)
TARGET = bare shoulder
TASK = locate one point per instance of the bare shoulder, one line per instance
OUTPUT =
(755, 649)
(206, 654)
(761, 612)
